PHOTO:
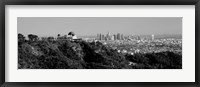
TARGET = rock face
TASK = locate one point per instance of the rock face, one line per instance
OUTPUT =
(66, 54)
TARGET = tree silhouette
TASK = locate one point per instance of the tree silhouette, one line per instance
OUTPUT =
(58, 35)
(21, 38)
(33, 37)
(50, 39)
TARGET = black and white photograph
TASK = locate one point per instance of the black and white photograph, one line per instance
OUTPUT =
(99, 42)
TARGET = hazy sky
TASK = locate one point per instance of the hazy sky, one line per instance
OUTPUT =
(51, 26)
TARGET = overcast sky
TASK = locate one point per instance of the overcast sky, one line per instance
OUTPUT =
(51, 26)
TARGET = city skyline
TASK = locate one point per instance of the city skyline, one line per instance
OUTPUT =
(90, 26)
(120, 36)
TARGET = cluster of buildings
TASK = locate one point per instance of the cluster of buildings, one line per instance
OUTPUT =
(118, 36)
(110, 37)
(146, 46)
(135, 44)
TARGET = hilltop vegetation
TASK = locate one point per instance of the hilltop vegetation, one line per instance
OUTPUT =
(67, 54)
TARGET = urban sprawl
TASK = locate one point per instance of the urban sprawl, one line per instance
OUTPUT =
(137, 44)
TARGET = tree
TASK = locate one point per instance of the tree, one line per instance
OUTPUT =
(33, 37)
(58, 35)
(50, 38)
(21, 38)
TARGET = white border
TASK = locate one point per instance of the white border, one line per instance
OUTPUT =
(187, 74)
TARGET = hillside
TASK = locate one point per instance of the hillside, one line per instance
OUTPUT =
(66, 54)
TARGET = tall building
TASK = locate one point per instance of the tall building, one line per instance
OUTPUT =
(108, 33)
(102, 37)
(122, 37)
(112, 37)
(152, 37)
(118, 36)
(115, 37)
(98, 36)
(108, 36)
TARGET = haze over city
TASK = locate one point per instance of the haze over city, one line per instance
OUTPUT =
(88, 26)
